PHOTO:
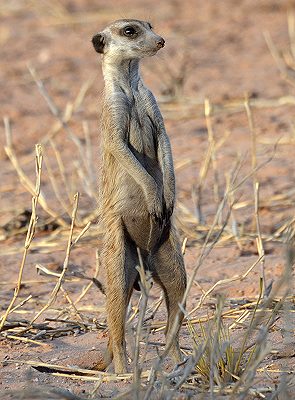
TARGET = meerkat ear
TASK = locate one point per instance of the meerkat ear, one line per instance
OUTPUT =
(98, 42)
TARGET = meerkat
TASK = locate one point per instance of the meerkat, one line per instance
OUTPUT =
(137, 188)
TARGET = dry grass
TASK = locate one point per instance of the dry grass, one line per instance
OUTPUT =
(215, 362)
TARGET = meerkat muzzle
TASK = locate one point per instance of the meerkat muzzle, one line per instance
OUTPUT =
(160, 43)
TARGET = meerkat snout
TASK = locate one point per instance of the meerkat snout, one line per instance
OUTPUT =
(160, 43)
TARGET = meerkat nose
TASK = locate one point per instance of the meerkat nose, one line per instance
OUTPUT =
(160, 43)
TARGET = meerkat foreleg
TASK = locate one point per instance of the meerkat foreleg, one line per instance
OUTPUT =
(164, 155)
(166, 162)
(124, 156)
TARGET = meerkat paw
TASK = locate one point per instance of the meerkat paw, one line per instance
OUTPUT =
(155, 206)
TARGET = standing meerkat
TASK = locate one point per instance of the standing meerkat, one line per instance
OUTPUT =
(137, 192)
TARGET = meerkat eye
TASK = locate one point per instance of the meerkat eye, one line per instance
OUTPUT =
(129, 31)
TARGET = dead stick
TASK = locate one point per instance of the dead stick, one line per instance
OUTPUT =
(256, 189)
(211, 140)
(259, 241)
(24, 180)
(30, 232)
(65, 264)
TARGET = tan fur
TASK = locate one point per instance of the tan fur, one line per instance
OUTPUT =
(137, 192)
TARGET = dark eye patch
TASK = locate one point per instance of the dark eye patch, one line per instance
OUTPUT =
(129, 31)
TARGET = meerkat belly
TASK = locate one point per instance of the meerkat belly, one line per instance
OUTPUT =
(121, 193)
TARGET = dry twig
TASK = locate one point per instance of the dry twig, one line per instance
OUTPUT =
(30, 232)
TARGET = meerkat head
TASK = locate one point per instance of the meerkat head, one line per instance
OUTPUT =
(127, 39)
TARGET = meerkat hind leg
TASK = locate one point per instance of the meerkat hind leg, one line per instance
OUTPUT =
(120, 260)
(170, 275)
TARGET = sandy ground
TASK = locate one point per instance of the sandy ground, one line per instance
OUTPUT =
(221, 47)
